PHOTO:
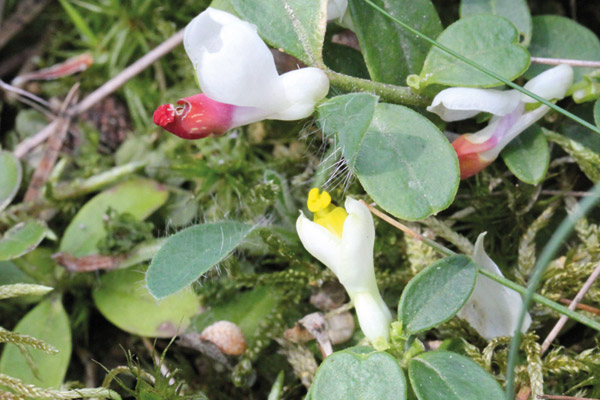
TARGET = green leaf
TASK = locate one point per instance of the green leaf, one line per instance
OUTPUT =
(359, 373)
(528, 156)
(345, 60)
(405, 163)
(444, 375)
(347, 118)
(22, 238)
(247, 310)
(190, 253)
(437, 293)
(597, 113)
(139, 197)
(10, 177)
(390, 51)
(49, 322)
(488, 40)
(295, 26)
(560, 37)
(123, 298)
(10, 273)
(516, 11)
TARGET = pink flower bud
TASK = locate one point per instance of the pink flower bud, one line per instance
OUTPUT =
(196, 117)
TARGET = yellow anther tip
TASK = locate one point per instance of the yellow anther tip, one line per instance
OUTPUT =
(317, 201)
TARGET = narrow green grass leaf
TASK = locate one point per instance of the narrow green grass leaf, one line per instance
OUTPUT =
(79, 22)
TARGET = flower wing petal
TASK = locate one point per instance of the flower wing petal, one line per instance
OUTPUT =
(303, 88)
(458, 103)
(551, 84)
(493, 309)
(318, 241)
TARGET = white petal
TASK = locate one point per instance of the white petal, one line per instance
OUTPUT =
(458, 103)
(356, 271)
(373, 316)
(551, 84)
(303, 88)
(232, 63)
(336, 9)
(318, 241)
(493, 309)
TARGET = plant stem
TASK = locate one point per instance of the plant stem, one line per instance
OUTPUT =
(547, 254)
(486, 70)
(391, 93)
(79, 187)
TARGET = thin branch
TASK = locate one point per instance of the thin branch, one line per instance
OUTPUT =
(563, 319)
(103, 91)
(558, 61)
(128, 73)
(55, 142)
(24, 93)
(583, 307)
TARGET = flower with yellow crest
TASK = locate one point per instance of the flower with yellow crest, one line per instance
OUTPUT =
(343, 240)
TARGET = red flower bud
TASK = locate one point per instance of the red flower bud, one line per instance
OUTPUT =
(196, 117)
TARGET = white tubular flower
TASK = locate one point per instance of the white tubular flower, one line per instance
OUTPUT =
(493, 309)
(343, 240)
(511, 111)
(239, 81)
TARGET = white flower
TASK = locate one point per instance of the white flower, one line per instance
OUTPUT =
(343, 240)
(493, 309)
(510, 110)
(239, 81)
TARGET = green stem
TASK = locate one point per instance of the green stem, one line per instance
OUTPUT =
(541, 265)
(79, 187)
(390, 93)
(486, 71)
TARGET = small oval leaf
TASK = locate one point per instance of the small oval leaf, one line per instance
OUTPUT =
(190, 253)
(437, 293)
(444, 375)
(516, 11)
(359, 373)
(138, 197)
(123, 298)
(49, 322)
(405, 163)
(11, 174)
(347, 118)
(488, 40)
(528, 156)
(22, 238)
